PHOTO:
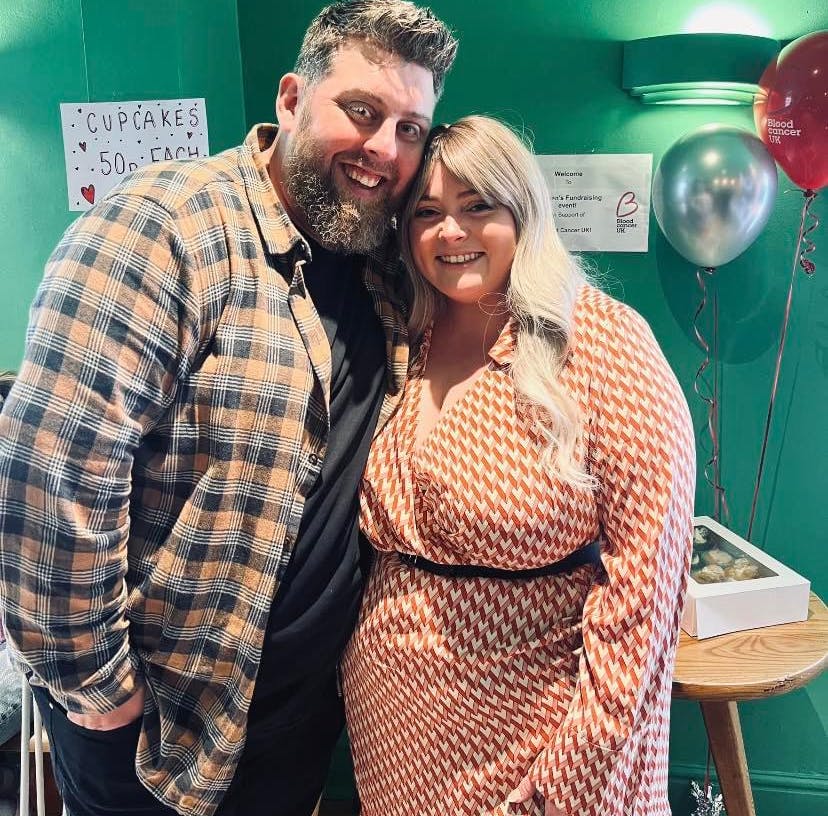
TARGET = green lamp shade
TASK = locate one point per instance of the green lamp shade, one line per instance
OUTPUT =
(697, 69)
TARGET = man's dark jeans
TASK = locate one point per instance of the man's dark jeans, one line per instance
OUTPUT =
(291, 737)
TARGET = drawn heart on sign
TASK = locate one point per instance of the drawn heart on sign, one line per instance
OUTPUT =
(89, 193)
(189, 134)
(82, 146)
(627, 205)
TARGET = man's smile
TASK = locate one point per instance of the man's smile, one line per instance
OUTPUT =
(364, 177)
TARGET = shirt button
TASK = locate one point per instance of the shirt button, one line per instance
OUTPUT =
(315, 459)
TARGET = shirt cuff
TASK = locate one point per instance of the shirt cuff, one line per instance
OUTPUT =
(111, 687)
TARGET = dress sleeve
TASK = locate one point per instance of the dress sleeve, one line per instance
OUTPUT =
(111, 331)
(642, 454)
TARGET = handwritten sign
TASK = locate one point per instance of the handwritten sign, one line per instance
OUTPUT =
(602, 202)
(104, 141)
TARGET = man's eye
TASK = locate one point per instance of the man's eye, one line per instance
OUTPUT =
(411, 132)
(359, 110)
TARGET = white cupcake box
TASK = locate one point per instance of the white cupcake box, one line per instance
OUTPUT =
(718, 603)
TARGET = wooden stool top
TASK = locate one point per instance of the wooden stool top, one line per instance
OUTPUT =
(755, 663)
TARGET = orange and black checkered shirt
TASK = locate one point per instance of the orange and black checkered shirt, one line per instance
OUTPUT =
(169, 418)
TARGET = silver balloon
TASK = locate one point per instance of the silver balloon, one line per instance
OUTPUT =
(713, 193)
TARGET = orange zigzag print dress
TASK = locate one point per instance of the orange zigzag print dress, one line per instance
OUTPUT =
(456, 688)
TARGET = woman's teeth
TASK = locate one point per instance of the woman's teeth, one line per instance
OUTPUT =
(457, 259)
(363, 177)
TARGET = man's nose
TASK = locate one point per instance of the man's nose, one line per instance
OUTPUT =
(382, 143)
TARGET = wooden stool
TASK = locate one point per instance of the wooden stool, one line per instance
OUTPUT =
(750, 665)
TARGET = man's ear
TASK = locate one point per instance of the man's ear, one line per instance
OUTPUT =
(287, 101)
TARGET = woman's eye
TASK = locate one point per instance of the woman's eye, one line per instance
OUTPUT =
(424, 212)
(481, 206)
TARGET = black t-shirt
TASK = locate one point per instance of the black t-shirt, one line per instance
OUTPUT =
(317, 602)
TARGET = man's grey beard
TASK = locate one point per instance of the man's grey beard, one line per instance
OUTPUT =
(340, 225)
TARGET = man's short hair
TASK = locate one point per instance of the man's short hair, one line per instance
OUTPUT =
(397, 26)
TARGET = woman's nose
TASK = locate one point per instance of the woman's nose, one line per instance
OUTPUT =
(450, 229)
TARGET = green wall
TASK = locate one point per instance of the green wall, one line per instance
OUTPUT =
(554, 68)
(54, 51)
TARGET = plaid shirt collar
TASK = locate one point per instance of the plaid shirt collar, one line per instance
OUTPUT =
(279, 236)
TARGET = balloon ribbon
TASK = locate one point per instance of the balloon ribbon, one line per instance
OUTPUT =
(800, 259)
(710, 396)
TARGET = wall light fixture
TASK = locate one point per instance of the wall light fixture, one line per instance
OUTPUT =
(697, 69)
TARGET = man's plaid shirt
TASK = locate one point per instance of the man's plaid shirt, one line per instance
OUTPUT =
(169, 418)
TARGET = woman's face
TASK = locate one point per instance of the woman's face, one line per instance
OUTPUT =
(460, 244)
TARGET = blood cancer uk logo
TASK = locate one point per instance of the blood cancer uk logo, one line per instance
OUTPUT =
(627, 205)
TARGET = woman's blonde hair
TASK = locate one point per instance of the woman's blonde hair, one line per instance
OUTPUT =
(492, 160)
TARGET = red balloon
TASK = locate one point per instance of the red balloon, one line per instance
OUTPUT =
(791, 110)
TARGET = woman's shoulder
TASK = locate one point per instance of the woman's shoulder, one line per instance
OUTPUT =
(600, 318)
(616, 345)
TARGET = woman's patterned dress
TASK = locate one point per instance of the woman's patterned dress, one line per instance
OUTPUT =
(456, 688)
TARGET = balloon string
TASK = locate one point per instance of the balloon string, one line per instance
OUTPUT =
(808, 265)
(719, 504)
(709, 397)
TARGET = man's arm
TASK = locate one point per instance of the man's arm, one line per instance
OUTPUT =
(112, 329)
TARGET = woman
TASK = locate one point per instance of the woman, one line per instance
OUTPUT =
(499, 662)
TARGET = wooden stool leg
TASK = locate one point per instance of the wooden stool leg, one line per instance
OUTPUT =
(725, 735)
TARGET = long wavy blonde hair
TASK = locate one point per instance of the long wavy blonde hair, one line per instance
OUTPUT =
(492, 160)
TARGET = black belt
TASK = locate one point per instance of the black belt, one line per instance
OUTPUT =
(588, 554)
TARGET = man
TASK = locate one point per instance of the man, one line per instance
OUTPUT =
(208, 357)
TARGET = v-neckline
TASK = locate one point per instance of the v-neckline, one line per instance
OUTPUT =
(419, 445)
